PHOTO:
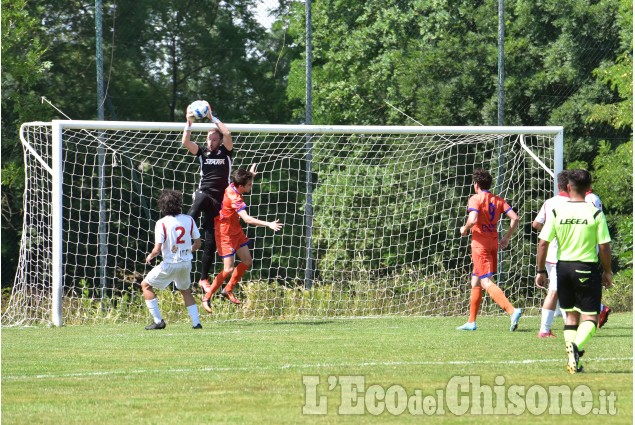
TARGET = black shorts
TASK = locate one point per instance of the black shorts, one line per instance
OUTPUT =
(579, 286)
(206, 203)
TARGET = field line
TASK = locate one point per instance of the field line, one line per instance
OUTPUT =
(10, 378)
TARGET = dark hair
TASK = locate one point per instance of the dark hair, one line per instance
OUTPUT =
(242, 177)
(483, 178)
(580, 181)
(170, 202)
(563, 179)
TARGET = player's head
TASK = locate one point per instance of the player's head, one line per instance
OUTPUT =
(563, 180)
(243, 180)
(214, 139)
(170, 202)
(483, 178)
(579, 181)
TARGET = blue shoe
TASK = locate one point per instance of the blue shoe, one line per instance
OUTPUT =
(469, 326)
(515, 318)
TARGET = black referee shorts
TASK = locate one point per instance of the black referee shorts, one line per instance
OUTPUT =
(579, 286)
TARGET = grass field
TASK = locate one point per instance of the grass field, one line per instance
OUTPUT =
(252, 372)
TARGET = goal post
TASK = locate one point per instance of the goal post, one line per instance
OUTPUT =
(371, 217)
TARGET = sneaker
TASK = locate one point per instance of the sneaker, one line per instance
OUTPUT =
(230, 296)
(573, 364)
(604, 316)
(152, 326)
(469, 326)
(199, 326)
(546, 335)
(207, 294)
(205, 286)
(515, 317)
(207, 305)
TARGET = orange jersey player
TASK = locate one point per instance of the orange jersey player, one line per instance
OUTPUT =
(484, 211)
(230, 237)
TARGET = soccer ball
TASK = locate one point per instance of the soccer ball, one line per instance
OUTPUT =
(199, 109)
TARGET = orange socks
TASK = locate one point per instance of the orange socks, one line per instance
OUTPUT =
(499, 298)
(476, 298)
(218, 281)
(239, 271)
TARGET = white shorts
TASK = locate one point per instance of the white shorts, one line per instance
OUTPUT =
(165, 273)
(553, 276)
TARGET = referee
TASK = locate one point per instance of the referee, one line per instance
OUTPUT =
(579, 228)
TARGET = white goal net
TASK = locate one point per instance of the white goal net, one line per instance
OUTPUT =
(371, 218)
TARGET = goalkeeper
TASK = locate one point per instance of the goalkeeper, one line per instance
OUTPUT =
(215, 160)
(230, 237)
(175, 238)
(485, 209)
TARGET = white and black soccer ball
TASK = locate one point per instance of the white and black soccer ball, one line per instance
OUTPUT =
(199, 109)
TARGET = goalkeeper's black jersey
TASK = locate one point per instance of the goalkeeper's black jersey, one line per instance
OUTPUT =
(216, 168)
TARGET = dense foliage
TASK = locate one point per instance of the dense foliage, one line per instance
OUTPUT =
(567, 62)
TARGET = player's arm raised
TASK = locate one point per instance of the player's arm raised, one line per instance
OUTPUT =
(273, 225)
(227, 135)
(187, 133)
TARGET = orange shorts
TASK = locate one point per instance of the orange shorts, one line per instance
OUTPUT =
(227, 245)
(485, 260)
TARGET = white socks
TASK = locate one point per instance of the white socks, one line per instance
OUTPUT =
(547, 320)
(153, 306)
(193, 312)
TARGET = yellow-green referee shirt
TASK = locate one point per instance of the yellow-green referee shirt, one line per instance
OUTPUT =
(579, 227)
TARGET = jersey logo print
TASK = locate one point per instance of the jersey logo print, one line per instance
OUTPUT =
(214, 162)
(574, 221)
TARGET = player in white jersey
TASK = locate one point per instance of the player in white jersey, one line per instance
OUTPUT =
(550, 305)
(176, 237)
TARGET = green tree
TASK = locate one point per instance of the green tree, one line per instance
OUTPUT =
(158, 57)
(23, 66)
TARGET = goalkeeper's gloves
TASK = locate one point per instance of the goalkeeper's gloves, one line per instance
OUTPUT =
(214, 119)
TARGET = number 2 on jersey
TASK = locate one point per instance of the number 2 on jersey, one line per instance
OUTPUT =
(181, 232)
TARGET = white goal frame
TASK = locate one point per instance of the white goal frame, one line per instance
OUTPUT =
(56, 166)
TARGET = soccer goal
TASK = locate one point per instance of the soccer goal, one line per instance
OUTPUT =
(371, 215)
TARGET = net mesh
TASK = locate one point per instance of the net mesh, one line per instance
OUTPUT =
(370, 222)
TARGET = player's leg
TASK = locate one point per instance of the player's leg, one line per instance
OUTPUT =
(588, 301)
(238, 272)
(604, 315)
(157, 278)
(476, 299)
(568, 300)
(497, 294)
(550, 304)
(228, 268)
(182, 283)
(197, 205)
(226, 252)
(209, 249)
(488, 263)
(211, 207)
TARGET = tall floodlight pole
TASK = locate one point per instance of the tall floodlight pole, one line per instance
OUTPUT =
(501, 105)
(308, 120)
(101, 152)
